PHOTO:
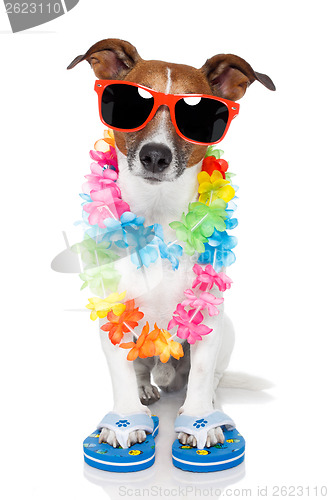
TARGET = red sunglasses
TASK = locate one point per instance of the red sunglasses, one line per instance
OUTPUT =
(197, 118)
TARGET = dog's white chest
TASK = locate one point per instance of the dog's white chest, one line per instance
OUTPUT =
(161, 204)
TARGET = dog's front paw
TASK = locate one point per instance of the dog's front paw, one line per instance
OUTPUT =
(148, 394)
(108, 436)
(214, 436)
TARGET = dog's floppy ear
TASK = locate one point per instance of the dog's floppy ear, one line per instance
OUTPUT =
(230, 75)
(110, 59)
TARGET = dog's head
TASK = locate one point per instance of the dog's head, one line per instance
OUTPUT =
(156, 152)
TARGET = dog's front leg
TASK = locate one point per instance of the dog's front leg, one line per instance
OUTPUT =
(125, 390)
(199, 396)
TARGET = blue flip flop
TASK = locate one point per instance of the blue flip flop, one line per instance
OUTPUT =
(214, 458)
(140, 456)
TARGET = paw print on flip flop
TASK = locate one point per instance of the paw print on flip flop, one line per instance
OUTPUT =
(200, 423)
(122, 423)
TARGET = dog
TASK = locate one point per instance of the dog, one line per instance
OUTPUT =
(158, 178)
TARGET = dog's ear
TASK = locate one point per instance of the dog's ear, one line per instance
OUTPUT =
(110, 59)
(230, 75)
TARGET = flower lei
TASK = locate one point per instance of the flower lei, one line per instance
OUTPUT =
(112, 226)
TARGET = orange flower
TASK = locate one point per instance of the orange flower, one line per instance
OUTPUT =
(154, 343)
(104, 144)
(144, 347)
(165, 347)
(127, 321)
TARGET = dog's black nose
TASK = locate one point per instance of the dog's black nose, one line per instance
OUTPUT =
(155, 157)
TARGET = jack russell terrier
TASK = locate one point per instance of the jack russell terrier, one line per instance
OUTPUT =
(158, 178)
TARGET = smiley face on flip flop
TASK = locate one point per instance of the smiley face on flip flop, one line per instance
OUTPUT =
(135, 452)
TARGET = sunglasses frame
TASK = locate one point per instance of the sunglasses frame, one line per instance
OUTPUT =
(169, 100)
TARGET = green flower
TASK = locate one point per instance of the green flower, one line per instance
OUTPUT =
(199, 223)
(213, 151)
(204, 219)
(194, 239)
(93, 253)
(229, 176)
(101, 279)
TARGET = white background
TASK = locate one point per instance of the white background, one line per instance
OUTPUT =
(55, 385)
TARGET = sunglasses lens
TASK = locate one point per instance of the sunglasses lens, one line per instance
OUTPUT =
(201, 119)
(125, 106)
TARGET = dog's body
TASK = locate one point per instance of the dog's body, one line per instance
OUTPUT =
(158, 178)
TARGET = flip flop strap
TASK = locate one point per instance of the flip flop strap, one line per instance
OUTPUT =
(122, 425)
(200, 425)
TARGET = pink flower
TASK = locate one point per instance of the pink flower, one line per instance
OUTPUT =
(109, 158)
(207, 277)
(100, 179)
(206, 300)
(105, 204)
(188, 328)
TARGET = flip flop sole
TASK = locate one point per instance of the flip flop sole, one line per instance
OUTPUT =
(219, 457)
(102, 456)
